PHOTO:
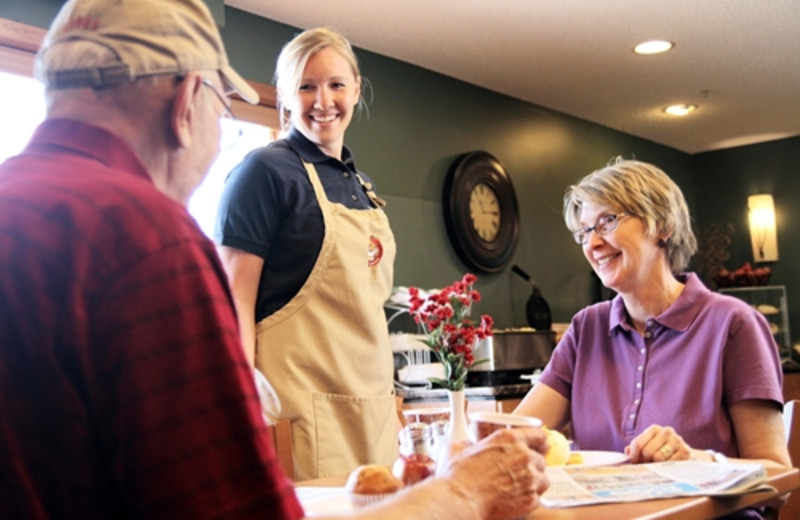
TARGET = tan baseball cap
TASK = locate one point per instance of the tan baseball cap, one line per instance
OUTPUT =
(147, 37)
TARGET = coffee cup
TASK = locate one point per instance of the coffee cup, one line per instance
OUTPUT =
(483, 424)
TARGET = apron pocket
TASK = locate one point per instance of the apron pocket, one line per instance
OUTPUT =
(351, 431)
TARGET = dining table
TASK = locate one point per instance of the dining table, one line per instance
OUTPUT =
(780, 480)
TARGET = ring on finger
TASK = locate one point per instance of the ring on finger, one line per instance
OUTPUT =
(665, 451)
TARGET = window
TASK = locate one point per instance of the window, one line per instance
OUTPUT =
(22, 108)
(205, 200)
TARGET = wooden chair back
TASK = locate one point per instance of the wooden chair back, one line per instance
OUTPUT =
(791, 424)
(281, 433)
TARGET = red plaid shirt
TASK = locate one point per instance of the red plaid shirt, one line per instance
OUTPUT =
(124, 392)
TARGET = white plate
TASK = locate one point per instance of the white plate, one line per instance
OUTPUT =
(600, 458)
(320, 501)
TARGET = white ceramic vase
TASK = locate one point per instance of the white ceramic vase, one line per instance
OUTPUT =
(457, 431)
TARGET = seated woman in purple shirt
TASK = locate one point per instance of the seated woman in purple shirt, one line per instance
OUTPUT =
(667, 370)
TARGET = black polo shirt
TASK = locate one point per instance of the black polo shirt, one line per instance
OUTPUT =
(268, 208)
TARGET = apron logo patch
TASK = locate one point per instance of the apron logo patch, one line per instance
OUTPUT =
(374, 251)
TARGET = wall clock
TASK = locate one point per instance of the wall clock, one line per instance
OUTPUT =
(481, 211)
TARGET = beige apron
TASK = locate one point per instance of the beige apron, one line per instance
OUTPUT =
(326, 353)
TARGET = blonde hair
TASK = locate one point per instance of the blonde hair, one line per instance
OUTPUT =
(295, 55)
(643, 190)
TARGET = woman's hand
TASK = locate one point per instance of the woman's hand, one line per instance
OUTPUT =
(658, 444)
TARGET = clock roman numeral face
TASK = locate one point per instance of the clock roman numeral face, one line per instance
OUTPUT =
(484, 211)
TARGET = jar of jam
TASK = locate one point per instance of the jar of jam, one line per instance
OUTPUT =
(415, 462)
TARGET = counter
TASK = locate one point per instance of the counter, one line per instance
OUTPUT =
(502, 398)
(485, 393)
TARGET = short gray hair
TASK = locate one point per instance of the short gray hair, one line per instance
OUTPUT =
(644, 190)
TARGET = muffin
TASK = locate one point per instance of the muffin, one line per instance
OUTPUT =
(370, 483)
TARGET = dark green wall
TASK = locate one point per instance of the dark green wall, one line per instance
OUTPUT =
(419, 121)
(32, 12)
(723, 181)
(41, 12)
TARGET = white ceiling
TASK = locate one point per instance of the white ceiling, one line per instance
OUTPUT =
(738, 60)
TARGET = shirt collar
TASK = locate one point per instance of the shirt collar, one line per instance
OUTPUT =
(683, 311)
(310, 152)
(678, 316)
(90, 141)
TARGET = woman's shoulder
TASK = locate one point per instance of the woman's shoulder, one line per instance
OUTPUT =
(597, 310)
(276, 162)
(593, 318)
(698, 298)
(727, 304)
(278, 150)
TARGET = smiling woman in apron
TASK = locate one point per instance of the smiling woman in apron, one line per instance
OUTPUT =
(309, 253)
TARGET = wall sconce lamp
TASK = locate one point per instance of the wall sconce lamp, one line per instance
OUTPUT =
(763, 235)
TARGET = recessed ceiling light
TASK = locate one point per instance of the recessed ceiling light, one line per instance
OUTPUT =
(680, 110)
(653, 47)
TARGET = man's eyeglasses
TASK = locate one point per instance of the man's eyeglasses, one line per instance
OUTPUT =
(231, 129)
(222, 99)
(604, 225)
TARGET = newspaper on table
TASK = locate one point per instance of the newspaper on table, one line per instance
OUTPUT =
(579, 486)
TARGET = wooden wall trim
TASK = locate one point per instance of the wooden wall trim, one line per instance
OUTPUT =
(266, 93)
(29, 38)
(21, 36)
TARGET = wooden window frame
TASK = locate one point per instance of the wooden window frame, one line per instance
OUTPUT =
(19, 43)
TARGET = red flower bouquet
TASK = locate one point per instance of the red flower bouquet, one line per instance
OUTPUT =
(444, 318)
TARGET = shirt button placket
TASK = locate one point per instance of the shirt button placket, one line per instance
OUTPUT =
(637, 394)
(347, 175)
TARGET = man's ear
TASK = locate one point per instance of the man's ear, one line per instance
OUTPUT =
(184, 110)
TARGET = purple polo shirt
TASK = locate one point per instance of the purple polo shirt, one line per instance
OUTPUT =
(704, 353)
